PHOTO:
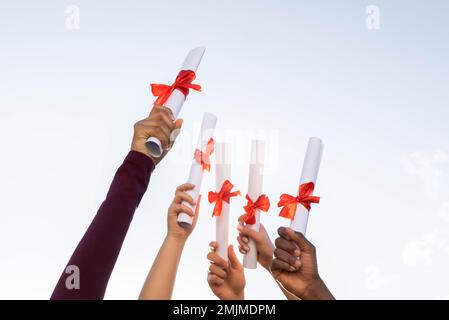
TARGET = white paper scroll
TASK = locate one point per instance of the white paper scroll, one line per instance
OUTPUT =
(196, 171)
(255, 185)
(223, 173)
(177, 98)
(309, 173)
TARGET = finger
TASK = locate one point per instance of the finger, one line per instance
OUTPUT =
(281, 265)
(163, 109)
(302, 242)
(180, 208)
(216, 270)
(242, 244)
(233, 260)
(249, 233)
(157, 124)
(286, 245)
(178, 124)
(242, 251)
(282, 231)
(212, 279)
(219, 261)
(184, 196)
(287, 258)
(167, 121)
(213, 246)
(185, 187)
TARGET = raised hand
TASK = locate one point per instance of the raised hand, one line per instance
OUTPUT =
(159, 124)
(174, 230)
(295, 266)
(226, 278)
(265, 247)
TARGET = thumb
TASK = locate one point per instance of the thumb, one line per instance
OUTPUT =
(233, 260)
(178, 124)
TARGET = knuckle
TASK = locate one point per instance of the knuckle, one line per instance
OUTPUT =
(278, 242)
(138, 124)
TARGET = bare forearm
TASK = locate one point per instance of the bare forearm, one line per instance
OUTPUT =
(161, 278)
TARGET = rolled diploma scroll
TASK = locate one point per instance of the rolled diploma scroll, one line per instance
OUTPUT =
(309, 173)
(255, 184)
(177, 98)
(223, 173)
(196, 171)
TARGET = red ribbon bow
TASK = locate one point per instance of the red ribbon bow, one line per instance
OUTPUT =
(203, 158)
(183, 83)
(262, 203)
(224, 194)
(304, 197)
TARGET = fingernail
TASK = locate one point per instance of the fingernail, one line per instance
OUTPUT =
(297, 252)
(245, 239)
(297, 263)
(292, 268)
(246, 248)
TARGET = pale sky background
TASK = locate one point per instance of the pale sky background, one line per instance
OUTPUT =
(286, 70)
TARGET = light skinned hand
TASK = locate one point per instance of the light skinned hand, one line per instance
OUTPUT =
(226, 278)
(265, 247)
(174, 230)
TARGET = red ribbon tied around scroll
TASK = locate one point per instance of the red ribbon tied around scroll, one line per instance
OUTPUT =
(224, 194)
(183, 83)
(304, 197)
(262, 203)
(203, 158)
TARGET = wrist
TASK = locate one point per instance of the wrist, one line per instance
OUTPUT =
(317, 290)
(237, 296)
(138, 147)
(176, 239)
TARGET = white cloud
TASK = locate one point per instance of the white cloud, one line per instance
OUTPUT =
(427, 168)
(376, 279)
(423, 250)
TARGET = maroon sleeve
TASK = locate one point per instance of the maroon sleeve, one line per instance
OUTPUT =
(97, 252)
